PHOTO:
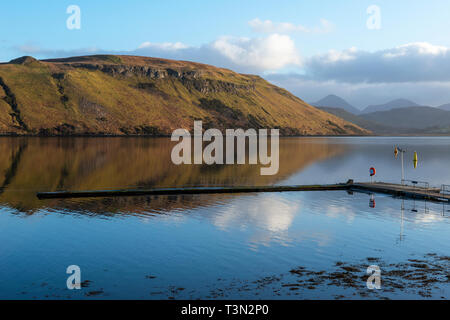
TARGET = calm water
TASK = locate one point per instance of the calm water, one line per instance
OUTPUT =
(217, 246)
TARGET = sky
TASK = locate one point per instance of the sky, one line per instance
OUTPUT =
(367, 52)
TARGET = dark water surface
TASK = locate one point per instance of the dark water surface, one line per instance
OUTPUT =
(275, 245)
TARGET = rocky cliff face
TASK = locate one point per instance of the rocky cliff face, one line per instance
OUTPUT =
(190, 78)
(122, 95)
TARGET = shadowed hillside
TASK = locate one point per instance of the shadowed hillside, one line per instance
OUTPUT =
(420, 118)
(359, 120)
(127, 95)
(410, 121)
(398, 103)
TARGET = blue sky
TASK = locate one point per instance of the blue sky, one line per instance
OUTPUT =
(306, 46)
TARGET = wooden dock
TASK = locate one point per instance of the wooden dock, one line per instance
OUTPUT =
(406, 191)
(180, 191)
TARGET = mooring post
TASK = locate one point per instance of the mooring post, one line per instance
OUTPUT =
(396, 151)
(403, 170)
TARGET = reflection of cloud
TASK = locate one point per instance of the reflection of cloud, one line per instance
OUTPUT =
(269, 212)
(427, 218)
(339, 210)
(433, 212)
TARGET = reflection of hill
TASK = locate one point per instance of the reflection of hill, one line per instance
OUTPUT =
(28, 165)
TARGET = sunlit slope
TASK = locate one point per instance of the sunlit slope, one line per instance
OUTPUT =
(123, 95)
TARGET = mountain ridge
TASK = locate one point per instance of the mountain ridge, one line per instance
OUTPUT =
(409, 120)
(335, 101)
(373, 126)
(393, 104)
(444, 107)
(133, 95)
(419, 117)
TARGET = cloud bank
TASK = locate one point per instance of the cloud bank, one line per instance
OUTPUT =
(255, 55)
(414, 62)
(418, 71)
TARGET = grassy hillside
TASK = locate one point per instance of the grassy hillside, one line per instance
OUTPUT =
(127, 95)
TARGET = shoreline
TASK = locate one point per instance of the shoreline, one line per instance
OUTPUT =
(8, 135)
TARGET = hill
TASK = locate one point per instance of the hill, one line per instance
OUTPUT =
(445, 107)
(129, 95)
(361, 122)
(419, 118)
(334, 101)
(398, 103)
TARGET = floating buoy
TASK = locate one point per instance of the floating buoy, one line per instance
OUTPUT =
(415, 160)
(372, 171)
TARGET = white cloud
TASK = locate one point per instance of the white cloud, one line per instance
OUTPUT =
(417, 48)
(335, 56)
(163, 46)
(268, 26)
(432, 93)
(413, 62)
(270, 53)
(256, 55)
(418, 71)
(250, 55)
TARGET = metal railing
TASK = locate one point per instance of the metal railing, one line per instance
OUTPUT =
(416, 183)
(445, 189)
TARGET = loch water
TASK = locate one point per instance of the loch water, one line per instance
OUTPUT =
(293, 245)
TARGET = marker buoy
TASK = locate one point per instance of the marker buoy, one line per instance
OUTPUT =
(415, 160)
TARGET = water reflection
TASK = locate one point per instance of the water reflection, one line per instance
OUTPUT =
(29, 165)
(192, 241)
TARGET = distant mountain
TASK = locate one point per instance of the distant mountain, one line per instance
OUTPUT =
(334, 101)
(445, 107)
(375, 127)
(398, 103)
(418, 118)
(409, 121)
